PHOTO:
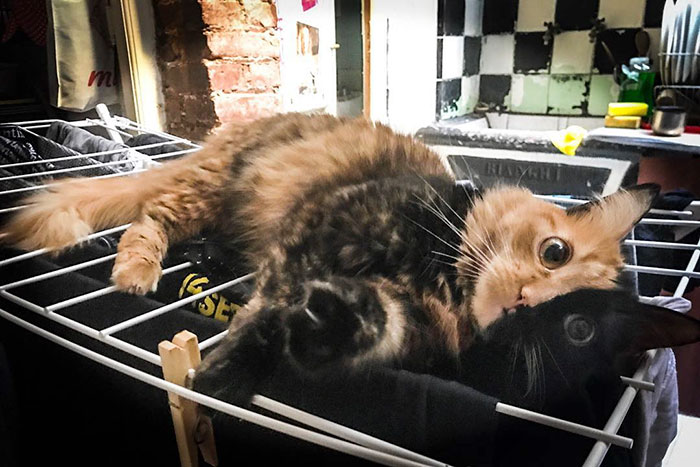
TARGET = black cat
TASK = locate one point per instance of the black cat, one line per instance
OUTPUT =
(563, 358)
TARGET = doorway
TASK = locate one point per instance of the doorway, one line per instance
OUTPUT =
(350, 57)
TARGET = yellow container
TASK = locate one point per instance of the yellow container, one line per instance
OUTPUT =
(620, 109)
(625, 121)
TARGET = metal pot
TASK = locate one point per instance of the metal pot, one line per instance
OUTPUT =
(668, 121)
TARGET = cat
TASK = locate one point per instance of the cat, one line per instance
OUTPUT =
(563, 357)
(341, 216)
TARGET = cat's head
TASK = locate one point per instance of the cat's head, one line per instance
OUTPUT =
(562, 348)
(564, 358)
(521, 250)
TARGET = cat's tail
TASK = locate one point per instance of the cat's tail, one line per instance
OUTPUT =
(68, 211)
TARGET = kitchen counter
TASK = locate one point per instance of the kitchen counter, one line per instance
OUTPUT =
(646, 142)
(617, 143)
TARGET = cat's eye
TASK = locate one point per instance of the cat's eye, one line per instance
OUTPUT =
(554, 253)
(579, 329)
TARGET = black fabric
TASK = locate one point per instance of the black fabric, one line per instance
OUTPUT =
(16, 149)
(85, 142)
(88, 410)
(8, 414)
(148, 138)
(18, 146)
(213, 264)
(439, 418)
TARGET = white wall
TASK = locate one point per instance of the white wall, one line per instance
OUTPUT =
(407, 73)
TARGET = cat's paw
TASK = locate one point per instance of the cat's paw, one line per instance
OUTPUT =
(234, 370)
(136, 274)
(339, 320)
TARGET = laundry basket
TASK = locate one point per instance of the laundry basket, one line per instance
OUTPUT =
(91, 354)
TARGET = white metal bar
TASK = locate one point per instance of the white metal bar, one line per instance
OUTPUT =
(41, 251)
(683, 283)
(639, 383)
(247, 415)
(573, 201)
(91, 154)
(340, 431)
(600, 448)
(103, 112)
(130, 124)
(94, 166)
(22, 302)
(12, 209)
(83, 329)
(650, 221)
(665, 245)
(663, 271)
(571, 427)
(172, 306)
(105, 291)
(57, 272)
(205, 344)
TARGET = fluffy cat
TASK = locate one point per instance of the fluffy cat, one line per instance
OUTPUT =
(345, 216)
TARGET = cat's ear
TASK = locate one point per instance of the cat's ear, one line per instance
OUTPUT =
(656, 327)
(620, 211)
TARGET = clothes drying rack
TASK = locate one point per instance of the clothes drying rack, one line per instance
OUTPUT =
(179, 357)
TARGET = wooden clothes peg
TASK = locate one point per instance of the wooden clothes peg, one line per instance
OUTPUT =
(191, 431)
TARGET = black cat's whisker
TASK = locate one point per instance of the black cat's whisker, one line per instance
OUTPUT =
(566, 380)
(533, 371)
(540, 369)
(515, 352)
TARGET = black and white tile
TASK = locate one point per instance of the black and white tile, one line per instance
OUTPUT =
(537, 56)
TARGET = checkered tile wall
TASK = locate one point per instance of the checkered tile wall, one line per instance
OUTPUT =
(536, 56)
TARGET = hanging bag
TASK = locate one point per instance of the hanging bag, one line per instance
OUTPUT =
(81, 55)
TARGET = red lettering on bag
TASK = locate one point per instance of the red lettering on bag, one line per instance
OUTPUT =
(102, 77)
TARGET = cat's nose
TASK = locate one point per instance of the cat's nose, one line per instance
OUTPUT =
(524, 296)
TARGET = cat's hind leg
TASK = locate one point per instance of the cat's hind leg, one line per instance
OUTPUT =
(348, 322)
(341, 324)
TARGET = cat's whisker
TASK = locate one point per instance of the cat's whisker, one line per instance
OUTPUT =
(461, 261)
(515, 351)
(434, 234)
(442, 216)
(473, 251)
(439, 214)
(540, 370)
(481, 239)
(441, 198)
(555, 362)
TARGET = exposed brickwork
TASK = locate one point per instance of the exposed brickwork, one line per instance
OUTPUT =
(219, 62)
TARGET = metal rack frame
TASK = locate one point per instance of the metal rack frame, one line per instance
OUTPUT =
(337, 437)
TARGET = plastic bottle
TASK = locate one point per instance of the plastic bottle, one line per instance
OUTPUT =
(638, 85)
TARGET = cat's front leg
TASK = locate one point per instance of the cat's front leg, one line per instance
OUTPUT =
(347, 321)
(248, 355)
(137, 267)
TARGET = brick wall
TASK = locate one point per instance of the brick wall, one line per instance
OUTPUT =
(219, 62)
